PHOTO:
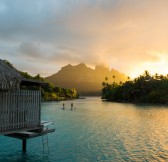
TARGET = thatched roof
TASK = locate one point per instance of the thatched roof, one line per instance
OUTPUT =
(10, 78)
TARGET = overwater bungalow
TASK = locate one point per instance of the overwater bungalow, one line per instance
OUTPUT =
(20, 105)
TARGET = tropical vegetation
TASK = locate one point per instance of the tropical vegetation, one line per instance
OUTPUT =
(145, 88)
(49, 91)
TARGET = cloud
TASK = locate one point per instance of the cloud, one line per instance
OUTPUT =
(30, 49)
(116, 32)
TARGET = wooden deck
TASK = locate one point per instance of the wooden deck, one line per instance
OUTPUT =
(43, 129)
(23, 135)
(40, 131)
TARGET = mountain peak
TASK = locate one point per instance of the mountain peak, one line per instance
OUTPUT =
(69, 65)
(81, 65)
(84, 78)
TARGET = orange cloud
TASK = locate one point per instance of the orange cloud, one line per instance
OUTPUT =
(127, 35)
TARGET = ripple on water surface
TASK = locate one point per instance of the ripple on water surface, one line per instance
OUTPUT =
(97, 131)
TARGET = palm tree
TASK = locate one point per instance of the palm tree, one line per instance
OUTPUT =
(167, 76)
(106, 82)
(103, 84)
(146, 73)
(114, 78)
(156, 76)
(161, 77)
(121, 83)
(106, 79)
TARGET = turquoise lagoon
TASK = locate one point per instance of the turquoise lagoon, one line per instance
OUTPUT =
(96, 131)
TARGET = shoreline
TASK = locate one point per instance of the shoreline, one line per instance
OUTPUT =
(151, 103)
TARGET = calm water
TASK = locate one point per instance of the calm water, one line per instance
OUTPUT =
(97, 131)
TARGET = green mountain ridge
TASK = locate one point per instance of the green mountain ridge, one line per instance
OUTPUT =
(83, 78)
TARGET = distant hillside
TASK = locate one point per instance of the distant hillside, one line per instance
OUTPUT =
(83, 78)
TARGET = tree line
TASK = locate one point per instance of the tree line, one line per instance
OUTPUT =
(49, 91)
(146, 88)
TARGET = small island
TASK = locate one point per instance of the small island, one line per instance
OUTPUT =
(144, 89)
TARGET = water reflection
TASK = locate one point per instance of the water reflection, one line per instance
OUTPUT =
(98, 131)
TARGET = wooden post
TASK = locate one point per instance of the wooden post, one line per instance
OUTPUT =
(24, 145)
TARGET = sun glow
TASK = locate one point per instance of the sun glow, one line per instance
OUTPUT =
(159, 66)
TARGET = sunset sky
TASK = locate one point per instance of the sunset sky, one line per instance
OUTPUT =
(41, 36)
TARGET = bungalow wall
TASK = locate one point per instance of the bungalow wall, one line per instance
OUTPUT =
(19, 109)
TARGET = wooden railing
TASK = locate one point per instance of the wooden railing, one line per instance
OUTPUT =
(19, 109)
